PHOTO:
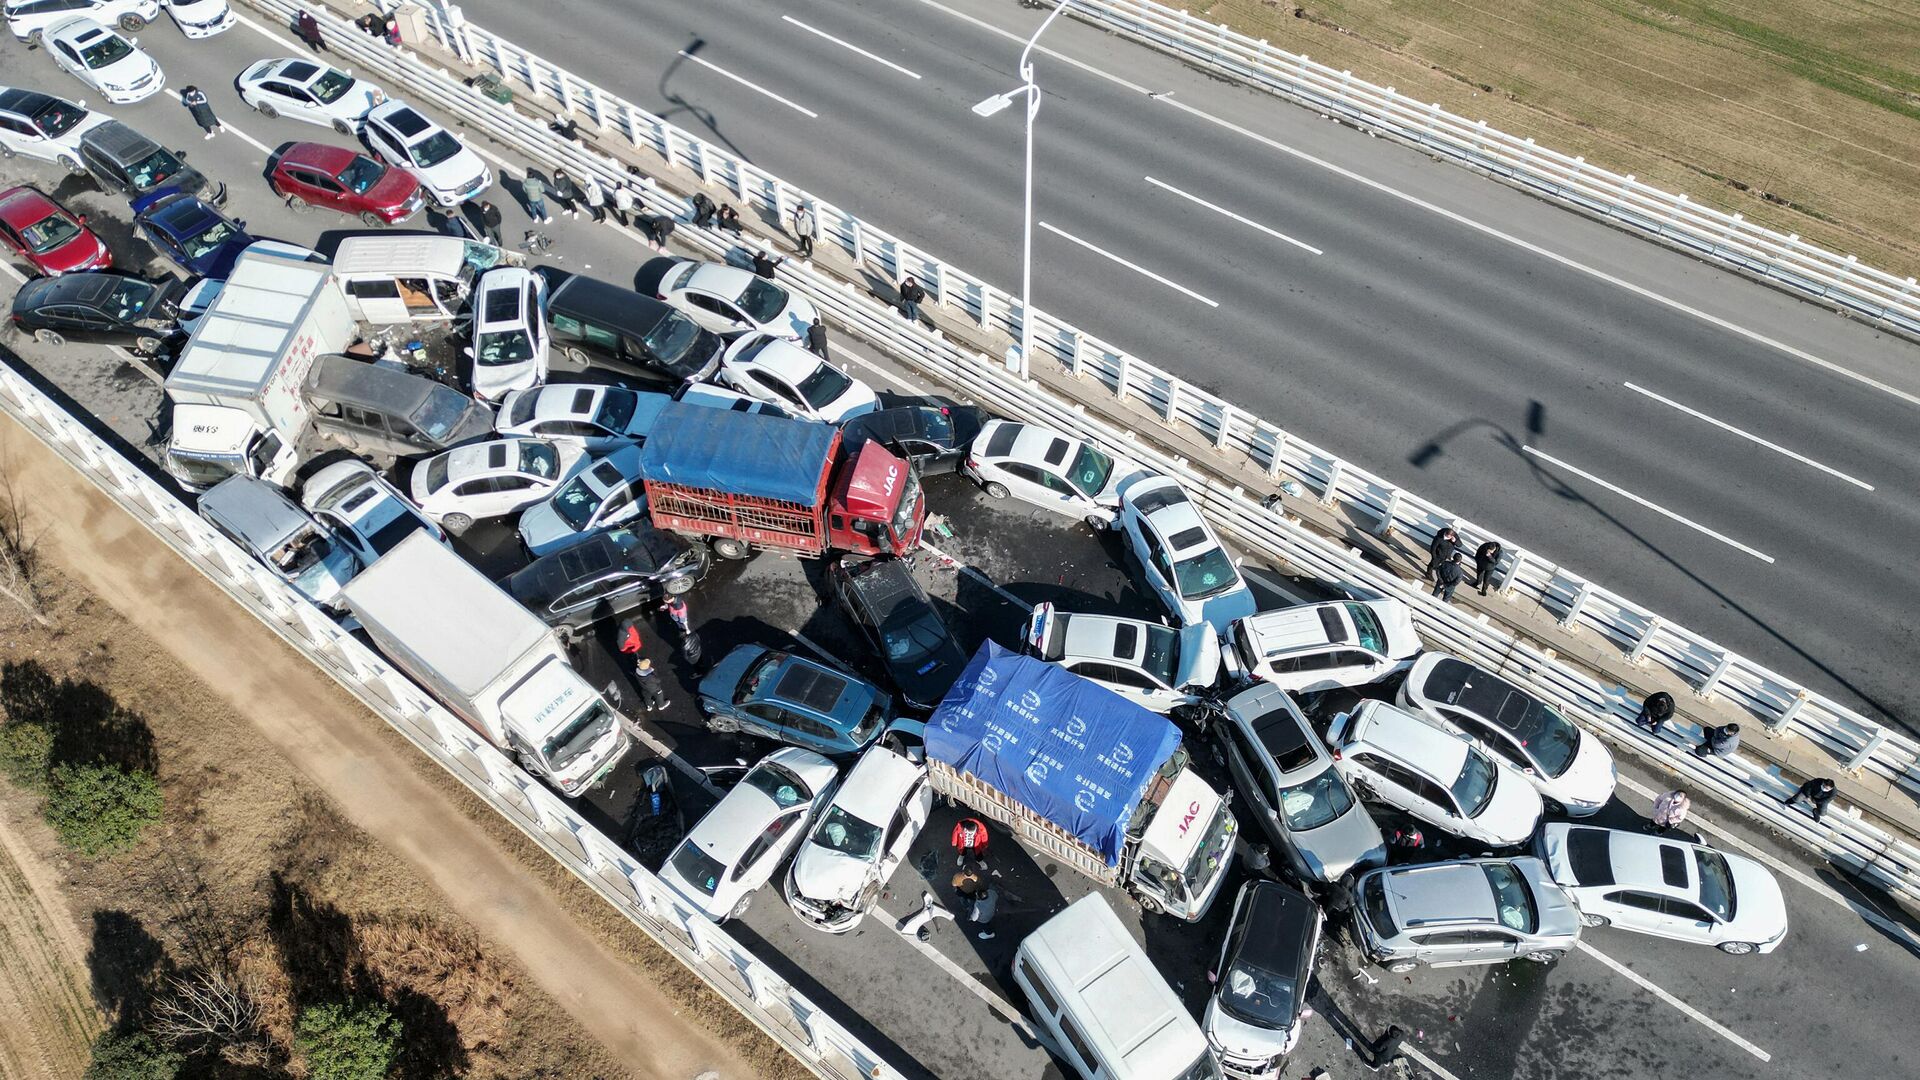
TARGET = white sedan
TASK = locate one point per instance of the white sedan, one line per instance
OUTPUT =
(363, 509)
(448, 172)
(598, 418)
(104, 60)
(1667, 888)
(201, 18)
(1153, 666)
(29, 19)
(778, 371)
(510, 336)
(736, 848)
(309, 91)
(726, 299)
(489, 479)
(1049, 469)
(859, 841)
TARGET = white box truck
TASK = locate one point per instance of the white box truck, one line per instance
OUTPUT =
(238, 404)
(489, 660)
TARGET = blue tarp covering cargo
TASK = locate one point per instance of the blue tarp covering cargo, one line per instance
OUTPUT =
(768, 457)
(1073, 752)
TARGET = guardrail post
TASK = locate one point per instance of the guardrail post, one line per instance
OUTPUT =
(1639, 651)
(1866, 753)
(1174, 387)
(1278, 461)
(566, 91)
(987, 293)
(857, 235)
(1123, 371)
(1579, 604)
(1078, 341)
(1385, 525)
(1226, 421)
(701, 163)
(1779, 723)
(1712, 682)
(1512, 577)
(1330, 494)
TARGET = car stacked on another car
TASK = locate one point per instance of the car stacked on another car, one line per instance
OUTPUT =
(52, 239)
(1324, 646)
(256, 515)
(726, 299)
(1153, 666)
(1183, 562)
(1667, 887)
(1471, 911)
(1289, 784)
(859, 840)
(933, 437)
(1266, 963)
(128, 163)
(309, 91)
(104, 60)
(363, 510)
(1435, 775)
(605, 574)
(885, 600)
(791, 699)
(489, 479)
(315, 174)
(101, 308)
(740, 843)
(599, 418)
(601, 493)
(448, 172)
(1049, 469)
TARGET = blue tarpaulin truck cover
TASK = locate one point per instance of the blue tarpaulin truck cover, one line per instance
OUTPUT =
(768, 457)
(1072, 751)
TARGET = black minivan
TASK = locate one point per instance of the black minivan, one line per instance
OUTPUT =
(606, 326)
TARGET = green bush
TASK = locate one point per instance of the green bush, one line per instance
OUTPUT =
(26, 748)
(347, 1040)
(132, 1057)
(100, 809)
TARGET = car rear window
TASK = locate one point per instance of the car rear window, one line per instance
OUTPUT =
(697, 868)
(1002, 440)
(1590, 854)
(1159, 499)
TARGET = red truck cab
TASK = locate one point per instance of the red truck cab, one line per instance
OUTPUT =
(877, 506)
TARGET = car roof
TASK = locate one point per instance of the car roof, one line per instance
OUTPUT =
(319, 156)
(878, 783)
(600, 301)
(180, 214)
(1282, 923)
(784, 358)
(734, 823)
(82, 288)
(1031, 442)
(118, 141)
(812, 686)
(635, 545)
(1305, 628)
(297, 70)
(1408, 739)
(1103, 637)
(485, 458)
(720, 279)
(23, 206)
(1635, 860)
(1277, 724)
(507, 283)
(1164, 507)
(1441, 893)
(1477, 691)
(561, 400)
(403, 118)
(76, 31)
(25, 102)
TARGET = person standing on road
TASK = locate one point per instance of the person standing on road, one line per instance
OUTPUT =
(1816, 793)
(490, 221)
(1670, 809)
(764, 264)
(1718, 741)
(969, 842)
(1448, 576)
(911, 295)
(703, 209)
(533, 191)
(659, 228)
(565, 193)
(978, 899)
(1445, 542)
(196, 102)
(817, 340)
(1385, 1050)
(308, 28)
(623, 202)
(1655, 711)
(806, 227)
(595, 197)
(653, 693)
(1485, 558)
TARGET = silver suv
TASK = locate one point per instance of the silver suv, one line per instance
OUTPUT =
(1473, 911)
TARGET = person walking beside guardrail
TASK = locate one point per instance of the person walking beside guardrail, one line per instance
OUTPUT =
(305, 25)
(911, 295)
(533, 192)
(817, 340)
(1670, 809)
(805, 228)
(595, 197)
(1655, 711)
(564, 192)
(1485, 558)
(1816, 793)
(1445, 542)
(1718, 741)
(1448, 576)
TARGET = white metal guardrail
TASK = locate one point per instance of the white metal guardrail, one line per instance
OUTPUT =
(1641, 636)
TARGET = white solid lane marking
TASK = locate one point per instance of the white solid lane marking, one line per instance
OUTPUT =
(1653, 506)
(718, 70)
(1433, 1066)
(1135, 267)
(1275, 233)
(1415, 200)
(13, 273)
(1645, 984)
(849, 46)
(1724, 426)
(246, 138)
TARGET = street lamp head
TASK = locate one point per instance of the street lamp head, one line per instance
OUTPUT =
(993, 105)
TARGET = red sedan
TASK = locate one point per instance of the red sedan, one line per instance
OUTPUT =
(49, 236)
(339, 179)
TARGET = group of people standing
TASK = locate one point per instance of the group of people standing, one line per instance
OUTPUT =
(1446, 565)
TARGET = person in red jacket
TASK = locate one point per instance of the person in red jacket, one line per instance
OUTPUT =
(969, 841)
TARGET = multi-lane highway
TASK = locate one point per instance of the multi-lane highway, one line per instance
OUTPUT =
(1734, 458)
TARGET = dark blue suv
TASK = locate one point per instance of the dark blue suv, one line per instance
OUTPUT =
(790, 699)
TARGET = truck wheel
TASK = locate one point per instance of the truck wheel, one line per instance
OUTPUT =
(1150, 906)
(456, 523)
(49, 337)
(728, 548)
(995, 488)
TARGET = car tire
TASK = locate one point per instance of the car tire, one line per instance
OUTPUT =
(994, 489)
(728, 548)
(1738, 948)
(344, 128)
(456, 523)
(1545, 956)
(1595, 920)
(372, 220)
(740, 908)
(36, 38)
(1400, 967)
(265, 109)
(578, 356)
(6, 152)
(132, 24)
(49, 337)
(1097, 523)
(679, 586)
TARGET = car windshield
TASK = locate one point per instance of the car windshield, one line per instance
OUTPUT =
(824, 386)
(1257, 996)
(1315, 803)
(697, 868)
(1474, 788)
(308, 566)
(210, 241)
(842, 832)
(1207, 574)
(58, 118)
(1163, 654)
(361, 174)
(576, 503)
(869, 725)
(756, 676)
(1366, 627)
(671, 337)
(539, 459)
(1511, 898)
(108, 50)
(503, 347)
(328, 87)
(616, 410)
(129, 298)
(1716, 883)
(1551, 740)
(154, 169)
(914, 638)
(778, 783)
(1090, 470)
(762, 300)
(443, 411)
(1207, 857)
(434, 149)
(49, 233)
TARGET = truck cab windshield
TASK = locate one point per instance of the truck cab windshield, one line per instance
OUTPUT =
(577, 737)
(1206, 858)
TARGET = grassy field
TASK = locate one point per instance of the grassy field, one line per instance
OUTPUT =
(1801, 114)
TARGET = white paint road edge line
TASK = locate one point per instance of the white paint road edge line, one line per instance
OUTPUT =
(1653, 506)
(1459, 218)
(850, 47)
(718, 70)
(1645, 984)
(1135, 267)
(1749, 436)
(229, 129)
(1249, 222)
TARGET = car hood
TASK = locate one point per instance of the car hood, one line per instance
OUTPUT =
(1514, 813)
(1759, 909)
(542, 528)
(796, 319)
(1199, 658)
(1348, 841)
(129, 69)
(494, 381)
(1220, 612)
(84, 250)
(823, 875)
(450, 174)
(393, 188)
(1589, 779)
(1240, 1039)
(923, 685)
(1396, 622)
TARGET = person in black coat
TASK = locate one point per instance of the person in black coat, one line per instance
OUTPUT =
(703, 209)
(1485, 558)
(490, 220)
(730, 220)
(308, 28)
(1449, 574)
(817, 340)
(1655, 711)
(1445, 542)
(912, 294)
(195, 99)
(1718, 741)
(764, 264)
(565, 193)
(1816, 793)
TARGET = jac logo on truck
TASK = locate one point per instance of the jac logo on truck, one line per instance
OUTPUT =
(1193, 811)
(893, 476)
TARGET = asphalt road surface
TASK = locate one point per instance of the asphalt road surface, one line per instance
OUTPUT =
(1732, 457)
(1832, 1001)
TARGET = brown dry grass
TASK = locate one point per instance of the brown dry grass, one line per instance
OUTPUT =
(1800, 114)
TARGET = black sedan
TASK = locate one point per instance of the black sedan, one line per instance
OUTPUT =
(892, 610)
(101, 307)
(606, 574)
(933, 437)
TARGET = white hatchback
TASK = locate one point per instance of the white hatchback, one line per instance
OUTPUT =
(859, 841)
(104, 60)
(1183, 562)
(489, 479)
(1313, 647)
(1049, 469)
(771, 369)
(1153, 666)
(309, 91)
(363, 509)
(29, 19)
(1441, 778)
(741, 842)
(201, 18)
(510, 337)
(1667, 888)
(448, 172)
(727, 300)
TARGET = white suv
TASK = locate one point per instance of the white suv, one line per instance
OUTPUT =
(510, 338)
(28, 18)
(1437, 776)
(1153, 666)
(448, 172)
(1183, 562)
(1324, 646)
(41, 126)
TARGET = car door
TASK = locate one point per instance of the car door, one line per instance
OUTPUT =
(764, 719)
(1689, 921)
(768, 386)
(762, 856)
(714, 313)
(67, 57)
(905, 827)
(318, 188)
(386, 146)
(1026, 483)
(1253, 779)
(291, 99)
(621, 504)
(79, 324)
(1632, 909)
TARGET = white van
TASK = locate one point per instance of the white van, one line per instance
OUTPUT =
(409, 278)
(1108, 1009)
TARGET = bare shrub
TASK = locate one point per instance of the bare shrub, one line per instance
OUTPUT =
(208, 1010)
(19, 554)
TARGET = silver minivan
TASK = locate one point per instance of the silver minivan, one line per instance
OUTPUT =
(1470, 911)
(274, 529)
(376, 409)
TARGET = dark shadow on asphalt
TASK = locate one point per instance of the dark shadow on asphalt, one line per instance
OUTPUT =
(677, 105)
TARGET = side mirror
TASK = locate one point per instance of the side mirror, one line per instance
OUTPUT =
(181, 154)
(82, 219)
(242, 222)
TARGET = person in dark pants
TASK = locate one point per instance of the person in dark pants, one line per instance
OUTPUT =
(911, 296)
(1445, 542)
(1816, 793)
(1485, 558)
(196, 102)
(1382, 1051)
(729, 219)
(565, 193)
(595, 197)
(308, 28)
(764, 264)
(1718, 741)
(1655, 711)
(1448, 576)
(806, 227)
(392, 31)
(817, 340)
(659, 228)
(978, 900)
(534, 191)
(490, 221)
(703, 209)
(653, 693)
